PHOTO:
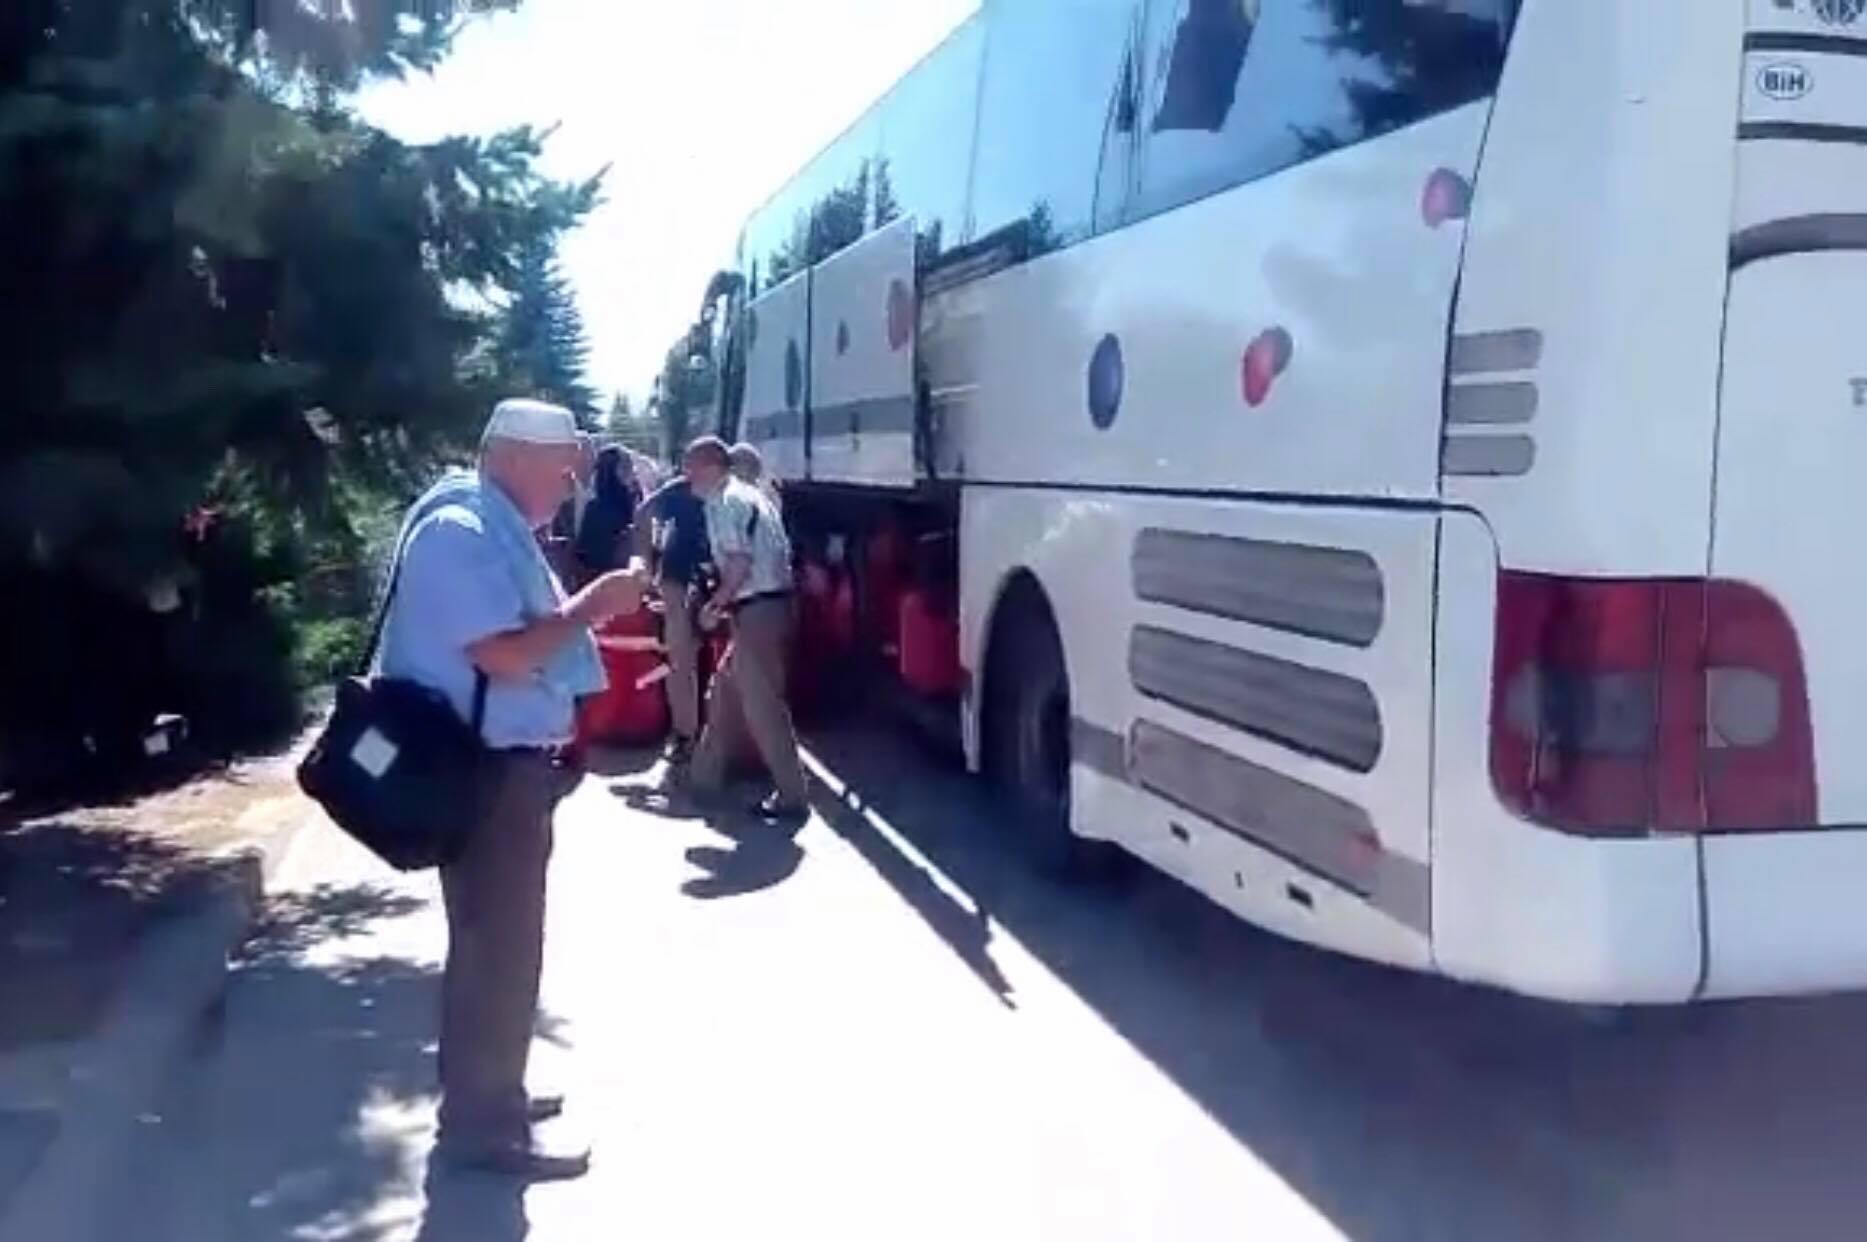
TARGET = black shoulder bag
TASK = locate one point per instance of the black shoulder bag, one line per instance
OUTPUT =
(396, 767)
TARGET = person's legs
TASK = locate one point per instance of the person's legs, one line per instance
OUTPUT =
(761, 646)
(723, 736)
(683, 661)
(495, 898)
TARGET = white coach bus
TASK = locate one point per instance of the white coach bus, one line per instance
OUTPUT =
(1393, 458)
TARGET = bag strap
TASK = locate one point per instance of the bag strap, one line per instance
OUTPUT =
(381, 623)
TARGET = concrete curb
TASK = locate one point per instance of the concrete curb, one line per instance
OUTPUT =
(174, 983)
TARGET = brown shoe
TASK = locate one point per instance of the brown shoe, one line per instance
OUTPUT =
(527, 1161)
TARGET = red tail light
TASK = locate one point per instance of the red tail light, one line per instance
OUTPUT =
(1621, 707)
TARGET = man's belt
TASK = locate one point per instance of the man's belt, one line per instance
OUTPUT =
(760, 597)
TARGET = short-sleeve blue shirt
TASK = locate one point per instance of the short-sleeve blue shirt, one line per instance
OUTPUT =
(454, 590)
(675, 503)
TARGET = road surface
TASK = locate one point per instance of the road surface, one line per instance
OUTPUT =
(890, 1029)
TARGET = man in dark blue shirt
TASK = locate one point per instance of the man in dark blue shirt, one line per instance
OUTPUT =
(685, 550)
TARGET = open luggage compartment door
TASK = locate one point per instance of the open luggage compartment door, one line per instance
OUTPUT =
(864, 310)
(777, 328)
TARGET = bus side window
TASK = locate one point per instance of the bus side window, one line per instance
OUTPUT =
(1051, 76)
(1202, 75)
(927, 126)
(1307, 77)
(829, 207)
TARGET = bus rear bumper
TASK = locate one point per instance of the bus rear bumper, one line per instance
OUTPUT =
(1785, 912)
(1565, 918)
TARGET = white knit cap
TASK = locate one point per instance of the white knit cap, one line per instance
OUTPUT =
(532, 422)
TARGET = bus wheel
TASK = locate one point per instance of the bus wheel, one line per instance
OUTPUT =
(1028, 745)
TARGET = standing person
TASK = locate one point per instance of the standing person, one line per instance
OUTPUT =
(748, 466)
(602, 542)
(753, 555)
(647, 476)
(682, 555)
(477, 605)
(560, 538)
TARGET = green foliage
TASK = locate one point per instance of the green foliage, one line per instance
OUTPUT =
(337, 44)
(640, 432)
(241, 328)
(835, 221)
(542, 348)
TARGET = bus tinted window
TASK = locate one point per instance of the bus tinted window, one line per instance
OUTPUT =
(1052, 77)
(766, 233)
(1242, 88)
(830, 205)
(927, 131)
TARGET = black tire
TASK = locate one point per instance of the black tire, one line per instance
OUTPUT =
(1027, 743)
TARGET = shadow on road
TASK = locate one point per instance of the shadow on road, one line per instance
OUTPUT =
(612, 762)
(756, 855)
(1401, 1106)
(308, 1111)
(73, 899)
(760, 856)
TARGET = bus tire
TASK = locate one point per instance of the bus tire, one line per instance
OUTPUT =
(1027, 742)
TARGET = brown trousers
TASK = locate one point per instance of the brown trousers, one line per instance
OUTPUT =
(683, 644)
(495, 895)
(748, 697)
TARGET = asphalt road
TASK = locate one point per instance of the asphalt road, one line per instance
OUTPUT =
(888, 1028)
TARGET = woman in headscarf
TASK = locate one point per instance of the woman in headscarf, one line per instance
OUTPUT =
(604, 535)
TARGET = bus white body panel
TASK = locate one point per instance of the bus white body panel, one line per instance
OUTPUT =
(1784, 909)
(1597, 245)
(1361, 292)
(1784, 912)
(1334, 745)
(1791, 505)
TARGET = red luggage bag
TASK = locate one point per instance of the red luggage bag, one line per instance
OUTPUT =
(929, 661)
(634, 710)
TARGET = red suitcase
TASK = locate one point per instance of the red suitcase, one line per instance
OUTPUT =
(634, 710)
(929, 660)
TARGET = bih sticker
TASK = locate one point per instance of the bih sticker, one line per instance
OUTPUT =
(1785, 79)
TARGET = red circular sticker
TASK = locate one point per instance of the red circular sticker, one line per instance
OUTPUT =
(1447, 197)
(1265, 359)
(900, 315)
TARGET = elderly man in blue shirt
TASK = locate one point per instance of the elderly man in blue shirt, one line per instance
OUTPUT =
(476, 602)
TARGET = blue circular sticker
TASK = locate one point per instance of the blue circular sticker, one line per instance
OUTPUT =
(793, 377)
(1106, 377)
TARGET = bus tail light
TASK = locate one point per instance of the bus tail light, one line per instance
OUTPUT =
(1623, 707)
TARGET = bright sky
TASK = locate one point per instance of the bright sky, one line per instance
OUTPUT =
(704, 107)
